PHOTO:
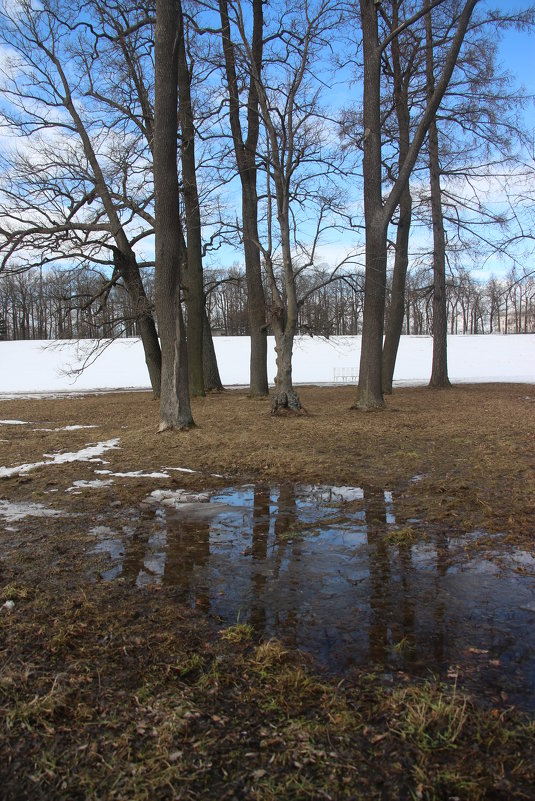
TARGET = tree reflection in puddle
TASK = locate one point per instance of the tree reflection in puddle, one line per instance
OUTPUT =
(318, 568)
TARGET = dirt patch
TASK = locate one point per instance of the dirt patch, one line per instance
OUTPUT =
(114, 691)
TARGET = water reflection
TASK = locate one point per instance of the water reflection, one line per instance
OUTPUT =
(317, 567)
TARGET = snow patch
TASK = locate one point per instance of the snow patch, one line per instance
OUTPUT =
(94, 484)
(14, 423)
(330, 494)
(89, 453)
(65, 428)
(132, 474)
(176, 498)
(102, 531)
(13, 512)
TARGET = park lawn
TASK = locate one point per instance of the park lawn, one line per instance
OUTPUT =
(117, 692)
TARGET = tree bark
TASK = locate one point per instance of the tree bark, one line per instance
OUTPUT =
(394, 325)
(285, 311)
(284, 396)
(439, 370)
(397, 306)
(245, 153)
(127, 267)
(212, 379)
(175, 411)
(195, 290)
(370, 392)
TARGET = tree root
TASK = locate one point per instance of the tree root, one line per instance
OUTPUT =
(287, 404)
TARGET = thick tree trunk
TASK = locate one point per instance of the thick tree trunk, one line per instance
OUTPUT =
(370, 393)
(175, 411)
(152, 351)
(195, 293)
(285, 314)
(284, 397)
(245, 153)
(212, 379)
(439, 370)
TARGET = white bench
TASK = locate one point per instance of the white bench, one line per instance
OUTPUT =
(348, 375)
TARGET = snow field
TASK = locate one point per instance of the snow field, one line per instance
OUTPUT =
(46, 367)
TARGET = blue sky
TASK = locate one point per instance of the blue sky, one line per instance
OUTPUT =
(517, 53)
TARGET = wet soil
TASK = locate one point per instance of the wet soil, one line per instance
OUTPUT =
(338, 605)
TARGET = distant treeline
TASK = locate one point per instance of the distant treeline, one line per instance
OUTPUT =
(58, 304)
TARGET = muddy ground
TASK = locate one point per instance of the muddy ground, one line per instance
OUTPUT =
(115, 691)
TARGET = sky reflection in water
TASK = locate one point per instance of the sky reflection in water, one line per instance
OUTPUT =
(315, 567)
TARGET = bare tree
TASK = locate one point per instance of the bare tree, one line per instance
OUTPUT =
(439, 370)
(399, 69)
(379, 213)
(296, 157)
(245, 150)
(175, 409)
(44, 97)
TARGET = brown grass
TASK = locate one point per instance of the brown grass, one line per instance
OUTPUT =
(113, 692)
(474, 447)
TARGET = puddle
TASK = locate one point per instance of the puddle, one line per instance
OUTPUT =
(327, 570)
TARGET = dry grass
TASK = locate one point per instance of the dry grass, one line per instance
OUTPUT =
(123, 694)
(108, 691)
(473, 446)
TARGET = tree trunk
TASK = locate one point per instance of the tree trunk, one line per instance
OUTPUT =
(370, 394)
(175, 411)
(439, 371)
(256, 301)
(284, 397)
(245, 153)
(212, 379)
(285, 313)
(195, 292)
(376, 213)
(127, 267)
(397, 306)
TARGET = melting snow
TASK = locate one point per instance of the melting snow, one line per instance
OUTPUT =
(14, 423)
(102, 531)
(178, 497)
(89, 453)
(65, 428)
(12, 512)
(346, 494)
(133, 474)
(94, 484)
